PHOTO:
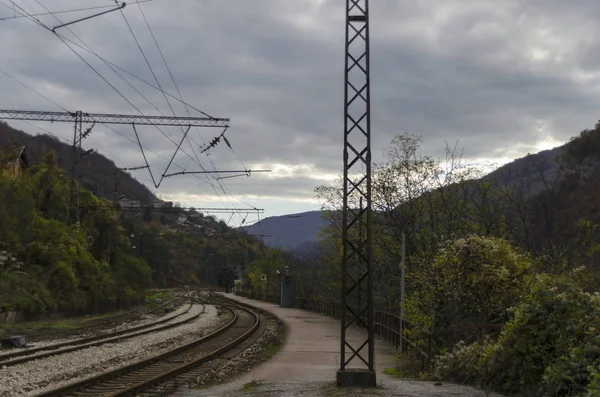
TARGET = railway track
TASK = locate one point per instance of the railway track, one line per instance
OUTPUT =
(155, 375)
(22, 356)
(106, 321)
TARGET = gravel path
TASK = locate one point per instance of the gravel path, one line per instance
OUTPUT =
(45, 374)
(127, 325)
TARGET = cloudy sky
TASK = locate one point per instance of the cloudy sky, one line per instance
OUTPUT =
(503, 78)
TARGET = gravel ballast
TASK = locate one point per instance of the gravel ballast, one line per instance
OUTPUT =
(124, 326)
(49, 373)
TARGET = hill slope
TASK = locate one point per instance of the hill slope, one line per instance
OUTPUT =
(300, 232)
(289, 231)
(99, 173)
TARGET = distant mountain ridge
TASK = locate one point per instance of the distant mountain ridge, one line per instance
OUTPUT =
(299, 233)
(289, 232)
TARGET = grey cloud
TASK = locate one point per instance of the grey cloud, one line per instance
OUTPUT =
(449, 70)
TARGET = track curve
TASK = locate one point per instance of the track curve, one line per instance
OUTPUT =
(142, 376)
(20, 357)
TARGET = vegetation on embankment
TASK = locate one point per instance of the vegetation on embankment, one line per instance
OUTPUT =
(68, 268)
(110, 260)
(501, 269)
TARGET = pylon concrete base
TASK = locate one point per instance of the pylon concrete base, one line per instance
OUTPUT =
(356, 378)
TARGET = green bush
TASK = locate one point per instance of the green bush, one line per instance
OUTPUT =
(550, 347)
(471, 280)
(20, 291)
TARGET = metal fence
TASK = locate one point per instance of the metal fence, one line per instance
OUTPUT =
(388, 326)
(392, 329)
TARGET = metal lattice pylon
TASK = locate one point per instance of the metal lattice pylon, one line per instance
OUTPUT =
(357, 256)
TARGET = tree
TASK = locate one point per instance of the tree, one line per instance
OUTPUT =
(471, 280)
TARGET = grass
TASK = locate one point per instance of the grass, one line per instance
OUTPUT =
(55, 325)
(253, 384)
(397, 373)
(274, 345)
(153, 295)
(67, 324)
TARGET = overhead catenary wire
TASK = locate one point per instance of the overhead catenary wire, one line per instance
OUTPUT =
(146, 59)
(151, 151)
(31, 89)
(186, 107)
(180, 95)
(119, 7)
(125, 80)
(67, 11)
(164, 95)
(156, 78)
(50, 133)
(103, 78)
(64, 40)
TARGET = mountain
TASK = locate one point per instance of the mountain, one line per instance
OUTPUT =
(532, 170)
(299, 233)
(99, 174)
(289, 232)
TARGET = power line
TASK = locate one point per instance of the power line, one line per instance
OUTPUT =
(158, 82)
(191, 209)
(89, 50)
(131, 74)
(66, 11)
(245, 172)
(186, 107)
(119, 7)
(153, 152)
(31, 89)
(63, 39)
(146, 59)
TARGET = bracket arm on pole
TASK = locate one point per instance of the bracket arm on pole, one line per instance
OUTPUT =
(89, 17)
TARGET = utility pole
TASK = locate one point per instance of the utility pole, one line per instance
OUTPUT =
(357, 249)
(76, 177)
(116, 197)
(402, 289)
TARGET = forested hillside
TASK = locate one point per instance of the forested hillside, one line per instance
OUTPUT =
(99, 173)
(289, 231)
(109, 259)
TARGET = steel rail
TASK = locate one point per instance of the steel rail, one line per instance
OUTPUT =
(173, 366)
(97, 340)
(133, 314)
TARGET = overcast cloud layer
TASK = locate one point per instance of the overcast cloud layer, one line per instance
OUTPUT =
(501, 77)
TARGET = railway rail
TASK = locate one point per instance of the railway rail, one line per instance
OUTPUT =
(22, 356)
(152, 375)
(106, 321)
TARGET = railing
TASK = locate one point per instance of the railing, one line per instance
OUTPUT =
(391, 328)
(388, 326)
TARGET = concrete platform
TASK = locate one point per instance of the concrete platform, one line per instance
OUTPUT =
(308, 361)
(312, 346)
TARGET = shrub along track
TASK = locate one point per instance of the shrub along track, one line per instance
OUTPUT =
(104, 322)
(155, 375)
(23, 356)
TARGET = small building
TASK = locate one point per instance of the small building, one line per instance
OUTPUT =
(127, 203)
(18, 164)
